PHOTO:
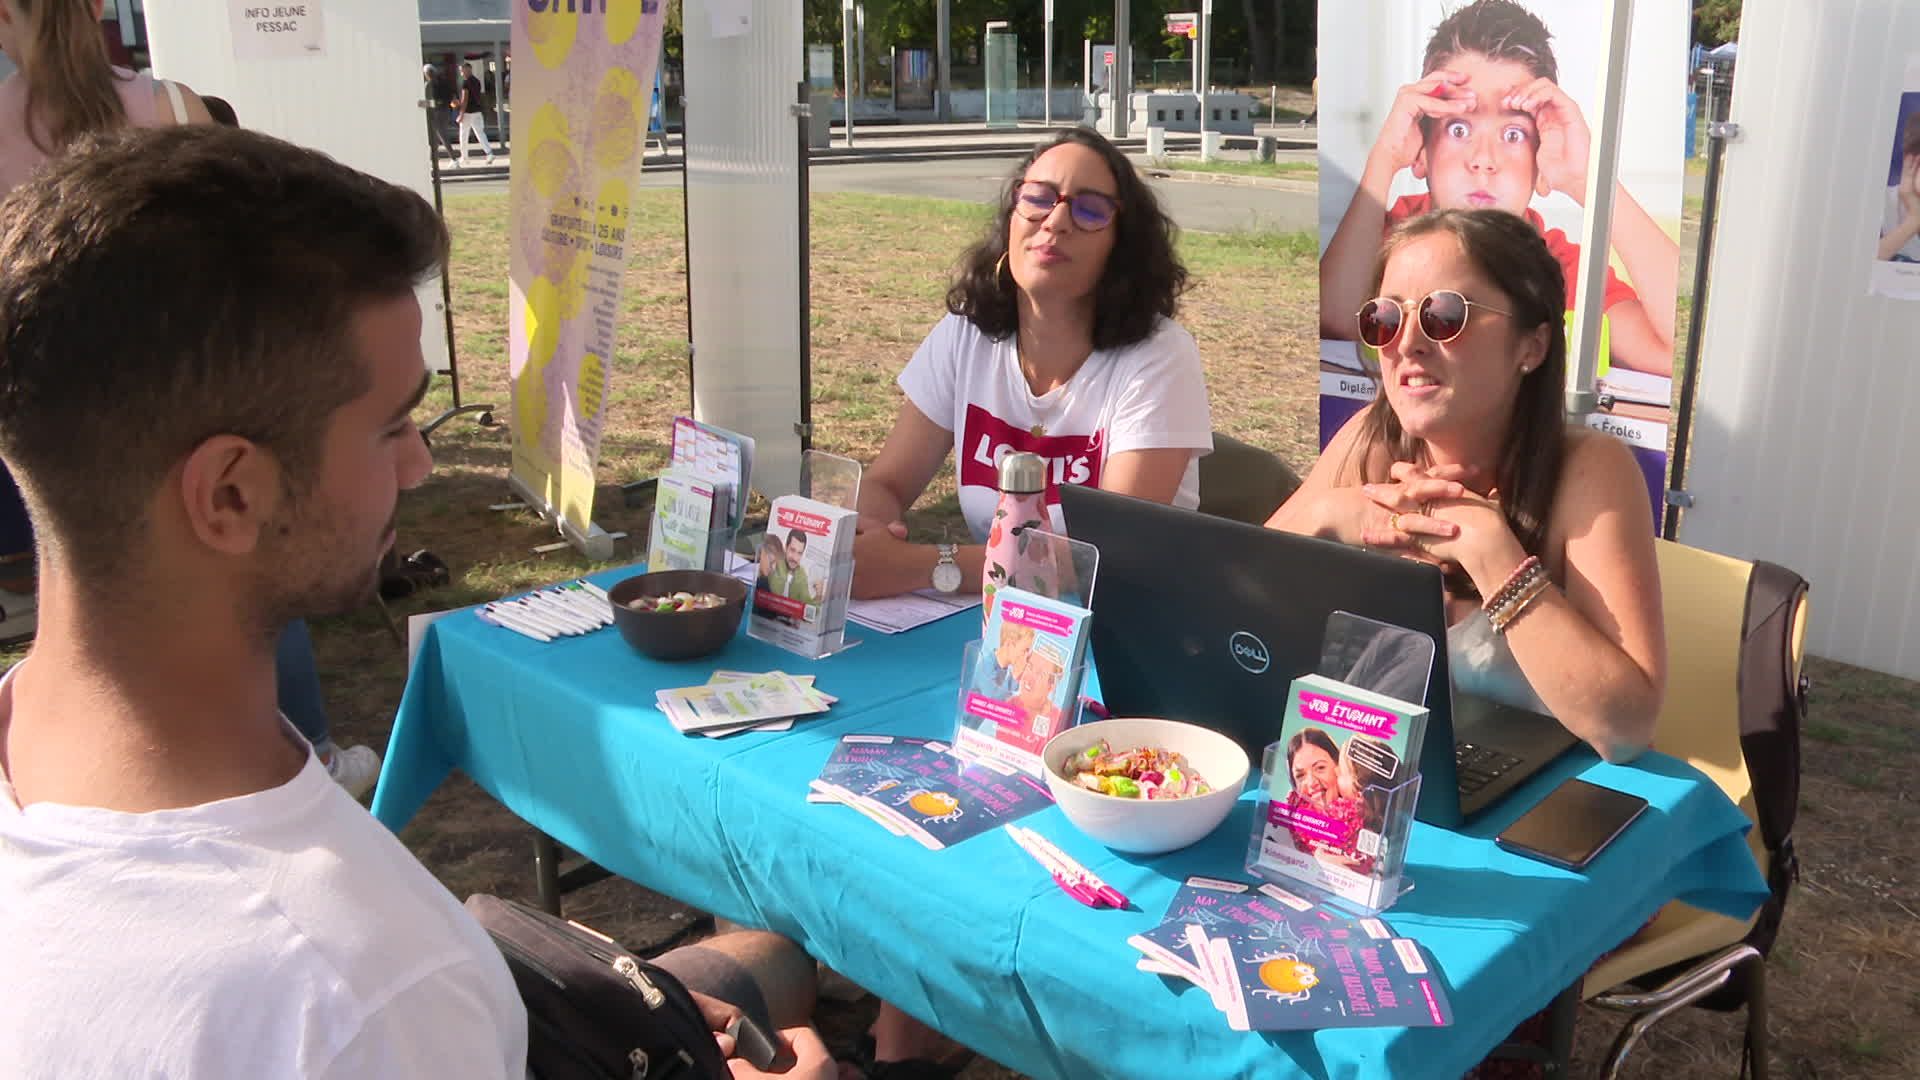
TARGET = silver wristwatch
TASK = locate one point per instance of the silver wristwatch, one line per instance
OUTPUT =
(946, 572)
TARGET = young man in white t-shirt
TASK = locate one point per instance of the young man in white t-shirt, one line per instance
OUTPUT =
(211, 355)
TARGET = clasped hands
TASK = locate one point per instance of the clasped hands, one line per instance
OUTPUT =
(1429, 514)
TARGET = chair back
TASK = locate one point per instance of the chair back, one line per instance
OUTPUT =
(1704, 597)
(1736, 696)
(1243, 482)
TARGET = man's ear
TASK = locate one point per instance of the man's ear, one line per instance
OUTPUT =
(230, 489)
(1419, 165)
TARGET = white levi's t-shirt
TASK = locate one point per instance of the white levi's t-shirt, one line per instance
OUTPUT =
(280, 934)
(1147, 396)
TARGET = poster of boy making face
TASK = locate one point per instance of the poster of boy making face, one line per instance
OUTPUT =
(1491, 104)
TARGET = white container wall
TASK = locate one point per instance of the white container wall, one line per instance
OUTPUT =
(743, 147)
(357, 98)
(1805, 445)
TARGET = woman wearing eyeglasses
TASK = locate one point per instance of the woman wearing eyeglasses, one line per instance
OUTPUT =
(1465, 459)
(1059, 340)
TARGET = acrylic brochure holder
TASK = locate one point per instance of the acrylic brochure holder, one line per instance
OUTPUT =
(682, 535)
(1009, 706)
(830, 478)
(1336, 821)
(1020, 684)
(1050, 564)
(803, 576)
(1296, 848)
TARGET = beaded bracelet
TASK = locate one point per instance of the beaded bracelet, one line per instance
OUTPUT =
(1512, 585)
(1504, 616)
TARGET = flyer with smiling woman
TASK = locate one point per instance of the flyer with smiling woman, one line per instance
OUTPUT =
(1337, 792)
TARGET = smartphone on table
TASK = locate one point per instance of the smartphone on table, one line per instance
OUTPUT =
(1574, 823)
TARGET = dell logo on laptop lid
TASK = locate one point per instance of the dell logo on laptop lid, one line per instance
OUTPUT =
(1249, 652)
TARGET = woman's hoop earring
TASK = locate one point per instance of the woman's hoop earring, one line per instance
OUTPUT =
(999, 268)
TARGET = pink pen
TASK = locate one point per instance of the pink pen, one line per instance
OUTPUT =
(1099, 888)
(1077, 891)
(1072, 888)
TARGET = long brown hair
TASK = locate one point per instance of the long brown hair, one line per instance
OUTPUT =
(1514, 256)
(69, 76)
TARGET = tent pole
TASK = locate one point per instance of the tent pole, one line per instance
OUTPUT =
(1602, 166)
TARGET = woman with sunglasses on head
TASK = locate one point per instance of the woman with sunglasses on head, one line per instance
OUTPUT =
(1465, 459)
(1059, 340)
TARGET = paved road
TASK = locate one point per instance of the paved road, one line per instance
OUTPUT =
(1195, 205)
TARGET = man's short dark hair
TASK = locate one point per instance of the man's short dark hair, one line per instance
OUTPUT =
(1497, 30)
(796, 534)
(161, 287)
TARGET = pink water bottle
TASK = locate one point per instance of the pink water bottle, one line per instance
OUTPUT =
(1015, 558)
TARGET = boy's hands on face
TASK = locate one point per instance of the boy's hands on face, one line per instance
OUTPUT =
(1910, 188)
(1441, 94)
(1564, 138)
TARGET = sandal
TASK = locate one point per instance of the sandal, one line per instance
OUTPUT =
(861, 1058)
(420, 570)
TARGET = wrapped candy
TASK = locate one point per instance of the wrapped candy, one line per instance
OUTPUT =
(1142, 773)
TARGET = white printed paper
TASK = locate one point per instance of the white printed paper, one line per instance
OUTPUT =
(275, 31)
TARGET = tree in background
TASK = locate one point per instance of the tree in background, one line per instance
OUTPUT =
(1259, 40)
(1716, 22)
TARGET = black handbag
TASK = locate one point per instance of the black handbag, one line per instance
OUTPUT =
(594, 1010)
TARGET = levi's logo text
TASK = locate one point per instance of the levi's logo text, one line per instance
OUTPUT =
(805, 522)
(1349, 715)
(985, 439)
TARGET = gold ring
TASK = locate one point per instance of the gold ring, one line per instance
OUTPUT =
(1393, 521)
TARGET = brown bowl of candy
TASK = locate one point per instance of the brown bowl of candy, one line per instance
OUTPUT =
(1144, 785)
(678, 614)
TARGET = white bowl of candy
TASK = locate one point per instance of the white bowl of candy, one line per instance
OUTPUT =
(1142, 785)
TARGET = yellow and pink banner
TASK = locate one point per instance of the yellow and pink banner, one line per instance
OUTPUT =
(581, 95)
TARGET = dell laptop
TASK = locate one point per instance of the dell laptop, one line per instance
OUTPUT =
(1207, 620)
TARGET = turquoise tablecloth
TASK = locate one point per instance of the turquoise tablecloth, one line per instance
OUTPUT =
(974, 939)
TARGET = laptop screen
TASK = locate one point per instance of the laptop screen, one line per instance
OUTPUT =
(1207, 620)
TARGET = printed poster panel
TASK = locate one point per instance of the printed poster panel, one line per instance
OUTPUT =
(1434, 104)
(1896, 257)
(580, 102)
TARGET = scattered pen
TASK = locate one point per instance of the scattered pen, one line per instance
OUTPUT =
(1105, 891)
(534, 614)
(492, 620)
(514, 617)
(585, 603)
(1061, 876)
(561, 610)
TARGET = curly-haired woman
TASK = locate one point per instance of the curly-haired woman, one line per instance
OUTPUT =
(1059, 340)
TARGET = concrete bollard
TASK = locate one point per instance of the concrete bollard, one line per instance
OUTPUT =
(1268, 146)
(1156, 142)
(1209, 145)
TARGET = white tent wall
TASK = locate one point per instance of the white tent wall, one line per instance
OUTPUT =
(743, 227)
(358, 99)
(1805, 444)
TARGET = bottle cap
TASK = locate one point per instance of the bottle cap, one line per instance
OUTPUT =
(1023, 473)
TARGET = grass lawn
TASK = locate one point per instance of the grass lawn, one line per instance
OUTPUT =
(1845, 976)
(1291, 170)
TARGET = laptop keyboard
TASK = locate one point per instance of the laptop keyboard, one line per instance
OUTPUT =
(1478, 766)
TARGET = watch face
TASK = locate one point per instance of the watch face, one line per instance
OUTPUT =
(946, 577)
